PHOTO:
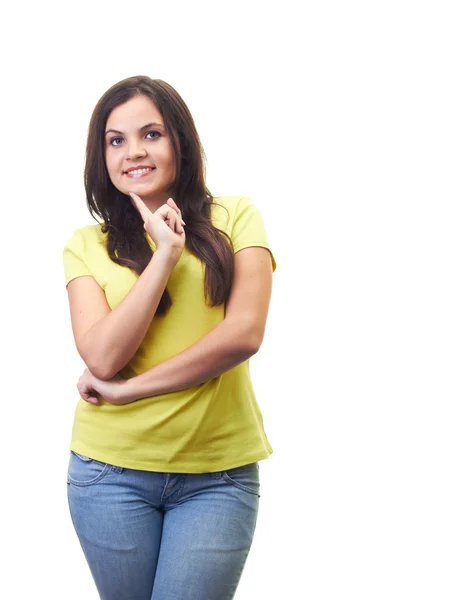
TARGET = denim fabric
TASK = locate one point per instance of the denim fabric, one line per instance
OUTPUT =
(163, 536)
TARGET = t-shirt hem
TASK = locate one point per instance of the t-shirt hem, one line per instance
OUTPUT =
(260, 245)
(210, 466)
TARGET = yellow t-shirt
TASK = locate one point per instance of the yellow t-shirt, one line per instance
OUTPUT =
(214, 426)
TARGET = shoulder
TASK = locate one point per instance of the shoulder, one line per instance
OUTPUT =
(226, 209)
(86, 236)
(231, 203)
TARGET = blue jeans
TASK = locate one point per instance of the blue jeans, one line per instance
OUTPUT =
(163, 536)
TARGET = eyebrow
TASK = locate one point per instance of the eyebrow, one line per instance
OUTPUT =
(141, 129)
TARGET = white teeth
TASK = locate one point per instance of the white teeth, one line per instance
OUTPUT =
(139, 171)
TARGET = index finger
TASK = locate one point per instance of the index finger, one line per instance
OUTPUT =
(141, 206)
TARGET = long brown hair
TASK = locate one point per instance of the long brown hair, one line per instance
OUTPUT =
(126, 241)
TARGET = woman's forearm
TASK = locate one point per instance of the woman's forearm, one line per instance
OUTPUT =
(112, 342)
(225, 347)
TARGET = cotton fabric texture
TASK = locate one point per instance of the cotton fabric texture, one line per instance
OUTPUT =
(211, 427)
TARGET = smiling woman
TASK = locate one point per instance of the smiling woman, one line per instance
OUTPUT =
(168, 297)
(140, 158)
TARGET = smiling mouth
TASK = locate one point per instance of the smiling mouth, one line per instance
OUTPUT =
(138, 172)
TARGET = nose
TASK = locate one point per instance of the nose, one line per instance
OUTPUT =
(135, 151)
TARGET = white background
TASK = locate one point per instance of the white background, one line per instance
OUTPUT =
(341, 121)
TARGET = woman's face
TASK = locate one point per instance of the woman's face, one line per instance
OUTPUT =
(138, 151)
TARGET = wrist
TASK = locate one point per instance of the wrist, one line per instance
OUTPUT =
(138, 387)
(130, 391)
(169, 256)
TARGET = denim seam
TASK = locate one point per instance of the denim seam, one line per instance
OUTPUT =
(104, 472)
(227, 478)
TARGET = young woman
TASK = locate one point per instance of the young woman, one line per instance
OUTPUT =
(169, 298)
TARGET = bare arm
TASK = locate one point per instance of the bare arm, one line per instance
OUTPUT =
(233, 341)
(108, 339)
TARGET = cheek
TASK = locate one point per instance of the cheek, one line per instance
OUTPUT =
(166, 164)
(111, 164)
(168, 159)
(171, 162)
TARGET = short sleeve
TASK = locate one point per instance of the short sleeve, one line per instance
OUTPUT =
(74, 264)
(249, 229)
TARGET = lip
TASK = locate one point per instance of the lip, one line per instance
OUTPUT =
(138, 167)
(131, 175)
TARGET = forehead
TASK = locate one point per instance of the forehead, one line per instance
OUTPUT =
(133, 114)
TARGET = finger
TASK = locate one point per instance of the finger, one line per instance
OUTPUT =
(170, 216)
(172, 204)
(144, 211)
(85, 393)
(88, 397)
(179, 228)
(92, 400)
(167, 212)
(170, 221)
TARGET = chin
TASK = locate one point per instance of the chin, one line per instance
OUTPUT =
(141, 189)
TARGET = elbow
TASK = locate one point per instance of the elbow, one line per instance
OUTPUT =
(100, 369)
(253, 340)
(99, 361)
(248, 333)
(103, 373)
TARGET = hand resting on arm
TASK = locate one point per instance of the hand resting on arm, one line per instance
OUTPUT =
(233, 341)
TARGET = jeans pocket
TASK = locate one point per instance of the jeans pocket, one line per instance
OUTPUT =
(245, 478)
(84, 471)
